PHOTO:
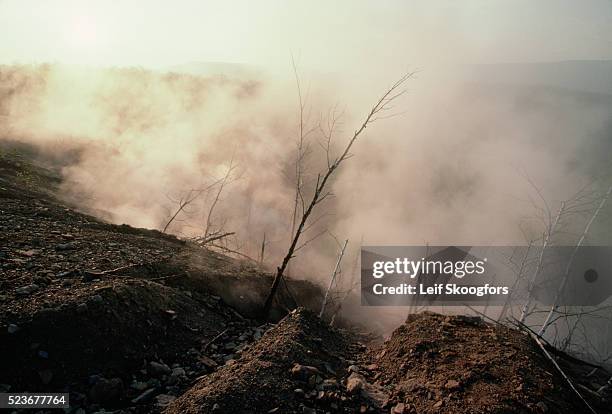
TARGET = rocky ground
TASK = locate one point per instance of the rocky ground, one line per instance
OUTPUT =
(122, 318)
(431, 364)
(135, 321)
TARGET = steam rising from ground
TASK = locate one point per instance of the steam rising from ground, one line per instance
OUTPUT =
(451, 169)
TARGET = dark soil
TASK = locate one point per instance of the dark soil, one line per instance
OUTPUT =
(297, 367)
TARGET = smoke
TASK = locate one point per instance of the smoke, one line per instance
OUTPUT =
(450, 168)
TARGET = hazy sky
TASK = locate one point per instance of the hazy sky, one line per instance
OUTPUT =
(326, 35)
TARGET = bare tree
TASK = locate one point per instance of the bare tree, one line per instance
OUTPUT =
(378, 111)
(333, 278)
(550, 229)
(519, 276)
(184, 201)
(208, 232)
(302, 150)
(555, 306)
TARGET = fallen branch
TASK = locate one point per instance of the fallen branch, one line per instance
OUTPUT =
(213, 237)
(236, 252)
(561, 354)
(122, 268)
(213, 340)
(567, 379)
(156, 279)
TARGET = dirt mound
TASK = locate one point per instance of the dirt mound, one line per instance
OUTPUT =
(459, 364)
(297, 366)
(109, 331)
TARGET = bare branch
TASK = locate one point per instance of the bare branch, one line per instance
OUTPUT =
(322, 180)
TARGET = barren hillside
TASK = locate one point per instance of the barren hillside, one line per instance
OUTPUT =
(132, 320)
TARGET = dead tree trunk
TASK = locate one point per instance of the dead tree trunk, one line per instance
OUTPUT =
(333, 279)
(320, 193)
(263, 250)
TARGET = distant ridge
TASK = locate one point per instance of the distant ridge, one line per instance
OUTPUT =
(580, 75)
(229, 69)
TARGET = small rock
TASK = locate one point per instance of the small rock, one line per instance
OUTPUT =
(400, 408)
(27, 253)
(157, 368)
(355, 382)
(26, 290)
(12, 328)
(303, 372)
(216, 407)
(65, 246)
(308, 410)
(81, 308)
(178, 372)
(353, 368)
(163, 400)
(452, 385)
(438, 404)
(107, 391)
(144, 397)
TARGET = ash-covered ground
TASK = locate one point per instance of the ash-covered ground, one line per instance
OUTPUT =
(131, 320)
